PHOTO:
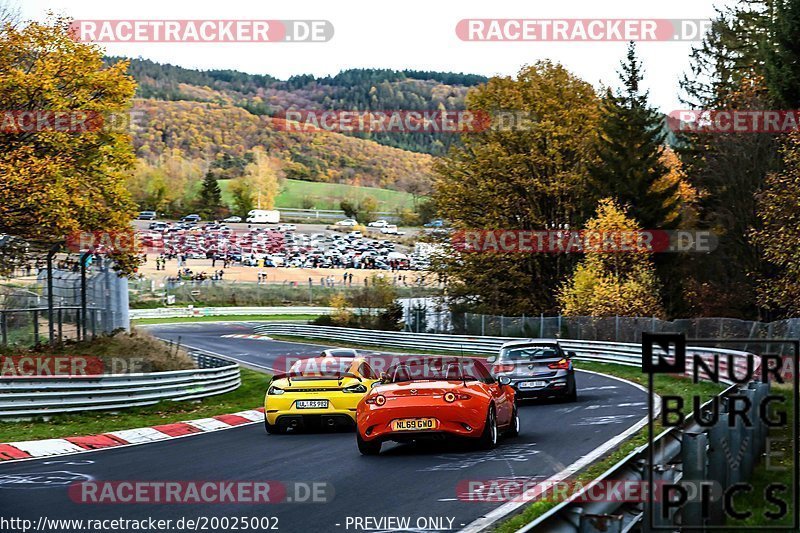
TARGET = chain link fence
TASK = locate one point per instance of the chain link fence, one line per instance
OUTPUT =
(67, 301)
(430, 315)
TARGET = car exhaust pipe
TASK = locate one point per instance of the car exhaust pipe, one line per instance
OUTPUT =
(331, 422)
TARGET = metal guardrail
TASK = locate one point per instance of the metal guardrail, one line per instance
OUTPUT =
(188, 312)
(24, 397)
(599, 351)
(686, 455)
(677, 451)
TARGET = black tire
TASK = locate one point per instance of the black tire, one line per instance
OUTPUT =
(272, 430)
(367, 447)
(513, 429)
(572, 392)
(488, 438)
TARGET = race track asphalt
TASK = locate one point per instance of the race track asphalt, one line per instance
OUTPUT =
(404, 481)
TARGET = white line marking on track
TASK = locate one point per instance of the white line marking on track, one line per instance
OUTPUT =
(506, 509)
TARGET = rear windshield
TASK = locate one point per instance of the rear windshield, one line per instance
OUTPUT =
(526, 353)
(436, 369)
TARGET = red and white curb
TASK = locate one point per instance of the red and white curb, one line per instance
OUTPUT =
(32, 449)
(246, 336)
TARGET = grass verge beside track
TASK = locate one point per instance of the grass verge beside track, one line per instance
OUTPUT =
(226, 318)
(249, 396)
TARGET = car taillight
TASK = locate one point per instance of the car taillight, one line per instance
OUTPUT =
(561, 365)
(450, 397)
(499, 369)
(377, 400)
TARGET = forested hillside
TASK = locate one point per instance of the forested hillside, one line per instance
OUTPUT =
(375, 89)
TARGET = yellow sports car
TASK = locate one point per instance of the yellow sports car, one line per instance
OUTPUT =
(320, 392)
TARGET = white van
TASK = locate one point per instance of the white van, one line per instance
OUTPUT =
(263, 216)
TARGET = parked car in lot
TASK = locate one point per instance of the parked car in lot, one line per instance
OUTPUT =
(436, 397)
(378, 224)
(232, 220)
(286, 227)
(391, 229)
(348, 222)
(158, 226)
(191, 218)
(147, 215)
(437, 223)
(537, 368)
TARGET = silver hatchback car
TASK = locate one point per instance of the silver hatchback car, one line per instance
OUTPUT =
(537, 368)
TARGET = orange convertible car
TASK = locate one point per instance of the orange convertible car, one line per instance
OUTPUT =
(435, 397)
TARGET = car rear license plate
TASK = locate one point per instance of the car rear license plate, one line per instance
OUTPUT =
(532, 384)
(311, 404)
(414, 424)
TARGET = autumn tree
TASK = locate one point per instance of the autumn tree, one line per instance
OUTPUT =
(530, 177)
(727, 170)
(57, 182)
(260, 185)
(607, 283)
(779, 213)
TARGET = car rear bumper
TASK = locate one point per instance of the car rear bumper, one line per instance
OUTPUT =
(453, 420)
(555, 386)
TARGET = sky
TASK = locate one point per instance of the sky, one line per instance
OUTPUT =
(408, 34)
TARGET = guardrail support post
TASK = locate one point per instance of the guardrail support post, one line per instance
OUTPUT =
(734, 456)
(718, 465)
(3, 329)
(750, 435)
(693, 459)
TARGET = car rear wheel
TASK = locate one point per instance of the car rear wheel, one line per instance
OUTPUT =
(572, 392)
(367, 447)
(513, 428)
(272, 430)
(488, 438)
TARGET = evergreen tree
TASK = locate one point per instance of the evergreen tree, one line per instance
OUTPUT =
(782, 54)
(629, 148)
(210, 200)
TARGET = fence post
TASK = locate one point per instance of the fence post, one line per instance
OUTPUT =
(50, 301)
(541, 324)
(35, 326)
(3, 329)
(502, 320)
(82, 324)
(60, 315)
(483, 325)
(616, 328)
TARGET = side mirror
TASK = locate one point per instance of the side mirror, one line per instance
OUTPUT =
(375, 384)
(491, 359)
(504, 380)
(570, 354)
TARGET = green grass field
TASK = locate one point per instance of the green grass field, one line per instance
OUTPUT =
(328, 195)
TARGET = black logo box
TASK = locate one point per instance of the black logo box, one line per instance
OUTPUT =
(673, 361)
